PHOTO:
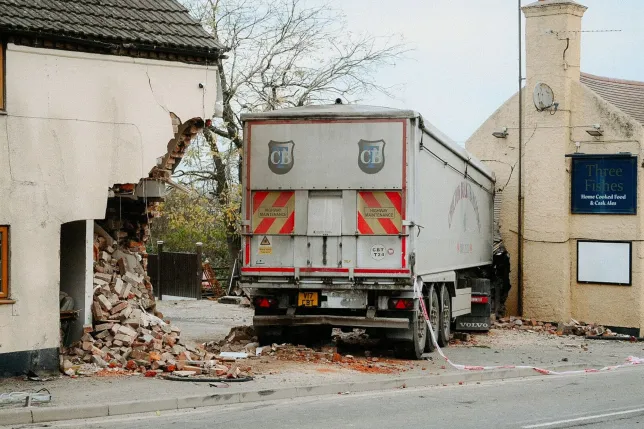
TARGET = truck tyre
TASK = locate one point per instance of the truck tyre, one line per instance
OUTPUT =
(444, 329)
(416, 348)
(433, 310)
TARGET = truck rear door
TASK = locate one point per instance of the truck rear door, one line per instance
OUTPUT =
(324, 229)
(325, 198)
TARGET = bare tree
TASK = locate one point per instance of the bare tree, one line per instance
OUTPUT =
(281, 53)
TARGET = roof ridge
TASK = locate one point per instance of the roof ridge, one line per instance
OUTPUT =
(613, 80)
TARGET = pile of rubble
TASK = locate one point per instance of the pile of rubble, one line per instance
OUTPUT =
(127, 331)
(571, 328)
(241, 339)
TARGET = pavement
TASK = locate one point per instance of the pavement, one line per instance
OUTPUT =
(206, 320)
(595, 401)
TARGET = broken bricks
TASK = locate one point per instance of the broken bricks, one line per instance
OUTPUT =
(127, 330)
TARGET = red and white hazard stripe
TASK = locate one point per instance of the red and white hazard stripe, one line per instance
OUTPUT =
(281, 204)
(379, 213)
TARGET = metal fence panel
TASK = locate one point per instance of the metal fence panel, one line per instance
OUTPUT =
(179, 274)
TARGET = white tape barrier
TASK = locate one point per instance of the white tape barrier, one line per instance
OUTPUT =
(630, 361)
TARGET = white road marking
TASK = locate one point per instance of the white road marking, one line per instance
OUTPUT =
(581, 419)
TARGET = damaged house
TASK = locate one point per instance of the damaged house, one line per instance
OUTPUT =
(98, 102)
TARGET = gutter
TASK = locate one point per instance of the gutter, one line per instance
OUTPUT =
(207, 53)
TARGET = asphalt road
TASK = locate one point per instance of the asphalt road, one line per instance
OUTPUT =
(605, 400)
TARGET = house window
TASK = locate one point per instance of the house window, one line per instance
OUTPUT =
(4, 262)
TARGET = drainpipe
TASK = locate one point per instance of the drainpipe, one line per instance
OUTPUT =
(520, 191)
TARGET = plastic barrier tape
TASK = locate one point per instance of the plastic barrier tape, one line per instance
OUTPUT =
(630, 361)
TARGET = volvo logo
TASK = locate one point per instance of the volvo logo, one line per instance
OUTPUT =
(473, 324)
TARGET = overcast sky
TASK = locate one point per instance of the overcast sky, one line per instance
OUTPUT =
(465, 62)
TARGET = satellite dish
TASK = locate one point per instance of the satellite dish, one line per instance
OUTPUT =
(543, 96)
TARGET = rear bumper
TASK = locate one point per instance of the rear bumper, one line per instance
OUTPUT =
(348, 321)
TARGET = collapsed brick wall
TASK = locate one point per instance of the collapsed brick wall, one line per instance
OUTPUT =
(127, 331)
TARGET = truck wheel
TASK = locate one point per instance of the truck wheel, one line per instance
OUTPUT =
(416, 348)
(433, 309)
(445, 319)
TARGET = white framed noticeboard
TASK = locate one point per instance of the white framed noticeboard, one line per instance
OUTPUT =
(604, 262)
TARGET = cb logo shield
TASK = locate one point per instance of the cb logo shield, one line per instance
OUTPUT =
(371, 155)
(280, 156)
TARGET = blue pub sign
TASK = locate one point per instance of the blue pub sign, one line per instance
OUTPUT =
(604, 184)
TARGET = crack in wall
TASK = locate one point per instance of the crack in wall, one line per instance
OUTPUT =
(152, 91)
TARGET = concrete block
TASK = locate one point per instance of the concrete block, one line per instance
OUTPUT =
(69, 413)
(105, 303)
(125, 330)
(133, 407)
(104, 277)
(229, 300)
(131, 278)
(16, 416)
(103, 326)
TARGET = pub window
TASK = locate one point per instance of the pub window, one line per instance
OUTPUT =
(4, 262)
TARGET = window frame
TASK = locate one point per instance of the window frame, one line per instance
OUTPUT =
(4, 264)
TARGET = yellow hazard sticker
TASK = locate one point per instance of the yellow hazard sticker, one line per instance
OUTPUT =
(265, 247)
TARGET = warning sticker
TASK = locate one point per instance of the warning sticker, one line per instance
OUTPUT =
(277, 212)
(378, 252)
(273, 212)
(265, 247)
(379, 213)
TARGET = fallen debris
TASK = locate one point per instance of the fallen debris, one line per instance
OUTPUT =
(230, 300)
(26, 398)
(573, 327)
(128, 333)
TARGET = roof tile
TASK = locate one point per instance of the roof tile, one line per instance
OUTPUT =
(155, 22)
(626, 95)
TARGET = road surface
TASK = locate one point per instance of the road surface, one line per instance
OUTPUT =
(592, 401)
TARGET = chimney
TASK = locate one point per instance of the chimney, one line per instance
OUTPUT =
(553, 43)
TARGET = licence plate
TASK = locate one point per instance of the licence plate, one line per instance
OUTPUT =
(307, 299)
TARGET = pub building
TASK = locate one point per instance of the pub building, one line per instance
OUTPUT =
(581, 233)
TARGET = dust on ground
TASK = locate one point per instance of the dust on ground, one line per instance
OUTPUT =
(509, 344)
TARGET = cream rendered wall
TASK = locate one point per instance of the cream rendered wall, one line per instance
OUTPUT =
(609, 305)
(551, 292)
(552, 56)
(75, 124)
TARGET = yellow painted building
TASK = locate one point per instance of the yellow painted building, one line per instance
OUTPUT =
(568, 115)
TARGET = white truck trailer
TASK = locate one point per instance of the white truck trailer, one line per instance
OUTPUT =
(344, 207)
